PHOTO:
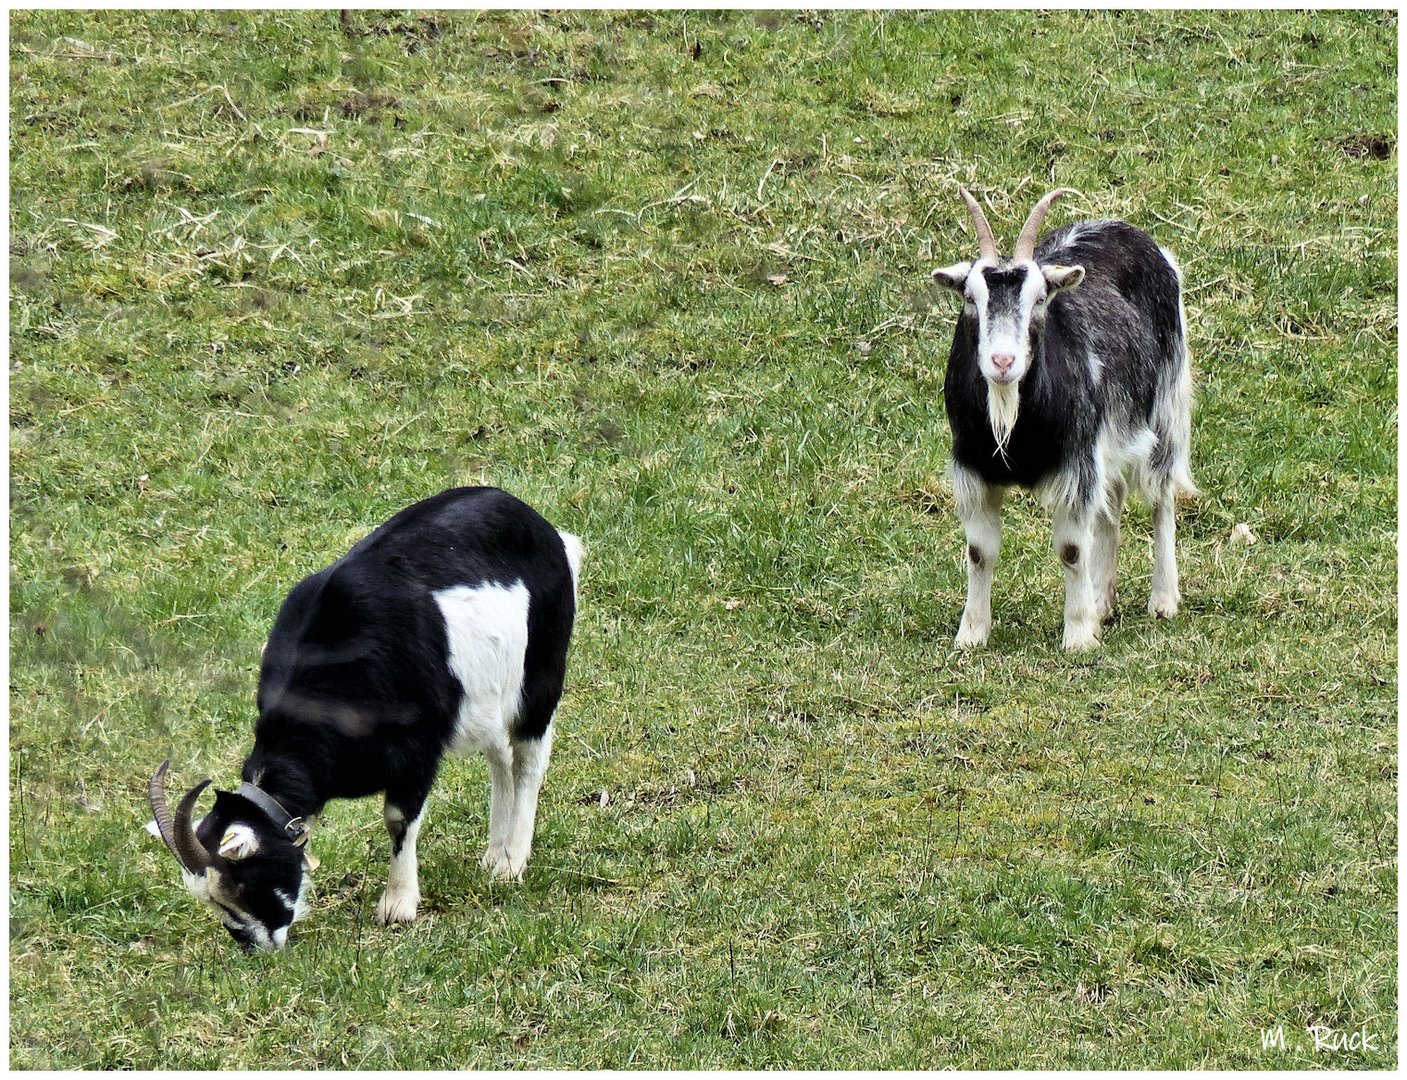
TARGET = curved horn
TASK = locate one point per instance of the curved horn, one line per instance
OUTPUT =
(177, 831)
(986, 243)
(1026, 242)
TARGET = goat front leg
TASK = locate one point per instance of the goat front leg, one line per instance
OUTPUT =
(1074, 544)
(979, 506)
(399, 902)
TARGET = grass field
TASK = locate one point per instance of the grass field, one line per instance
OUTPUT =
(276, 275)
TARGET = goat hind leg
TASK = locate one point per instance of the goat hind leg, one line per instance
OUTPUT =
(1104, 564)
(1166, 596)
(530, 759)
(501, 799)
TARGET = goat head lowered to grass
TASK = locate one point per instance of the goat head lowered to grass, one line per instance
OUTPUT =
(446, 629)
(1069, 375)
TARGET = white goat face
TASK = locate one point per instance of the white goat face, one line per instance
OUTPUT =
(1007, 297)
(1008, 301)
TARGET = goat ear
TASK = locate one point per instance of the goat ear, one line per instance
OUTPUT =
(239, 842)
(1062, 277)
(953, 277)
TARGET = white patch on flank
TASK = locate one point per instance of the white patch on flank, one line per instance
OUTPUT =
(1114, 457)
(1096, 366)
(1060, 491)
(1130, 459)
(487, 629)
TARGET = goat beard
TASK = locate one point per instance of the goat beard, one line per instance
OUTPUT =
(1003, 402)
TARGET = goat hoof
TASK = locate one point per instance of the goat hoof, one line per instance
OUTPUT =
(494, 857)
(1081, 641)
(507, 868)
(970, 637)
(1163, 607)
(397, 907)
(501, 865)
(506, 864)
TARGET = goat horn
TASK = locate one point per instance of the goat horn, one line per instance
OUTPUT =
(1026, 242)
(177, 831)
(986, 242)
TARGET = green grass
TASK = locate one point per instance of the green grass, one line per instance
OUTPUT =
(664, 276)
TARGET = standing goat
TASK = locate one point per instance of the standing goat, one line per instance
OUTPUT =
(445, 629)
(1068, 375)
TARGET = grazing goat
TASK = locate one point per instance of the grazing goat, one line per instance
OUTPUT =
(445, 629)
(1068, 375)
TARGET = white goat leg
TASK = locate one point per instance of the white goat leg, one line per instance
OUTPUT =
(399, 902)
(1165, 597)
(1074, 544)
(979, 505)
(529, 766)
(501, 801)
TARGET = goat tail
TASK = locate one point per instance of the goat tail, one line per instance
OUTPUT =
(1176, 412)
(576, 553)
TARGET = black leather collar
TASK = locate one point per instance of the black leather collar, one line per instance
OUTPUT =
(295, 828)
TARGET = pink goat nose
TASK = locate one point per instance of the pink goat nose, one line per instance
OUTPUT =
(1002, 362)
